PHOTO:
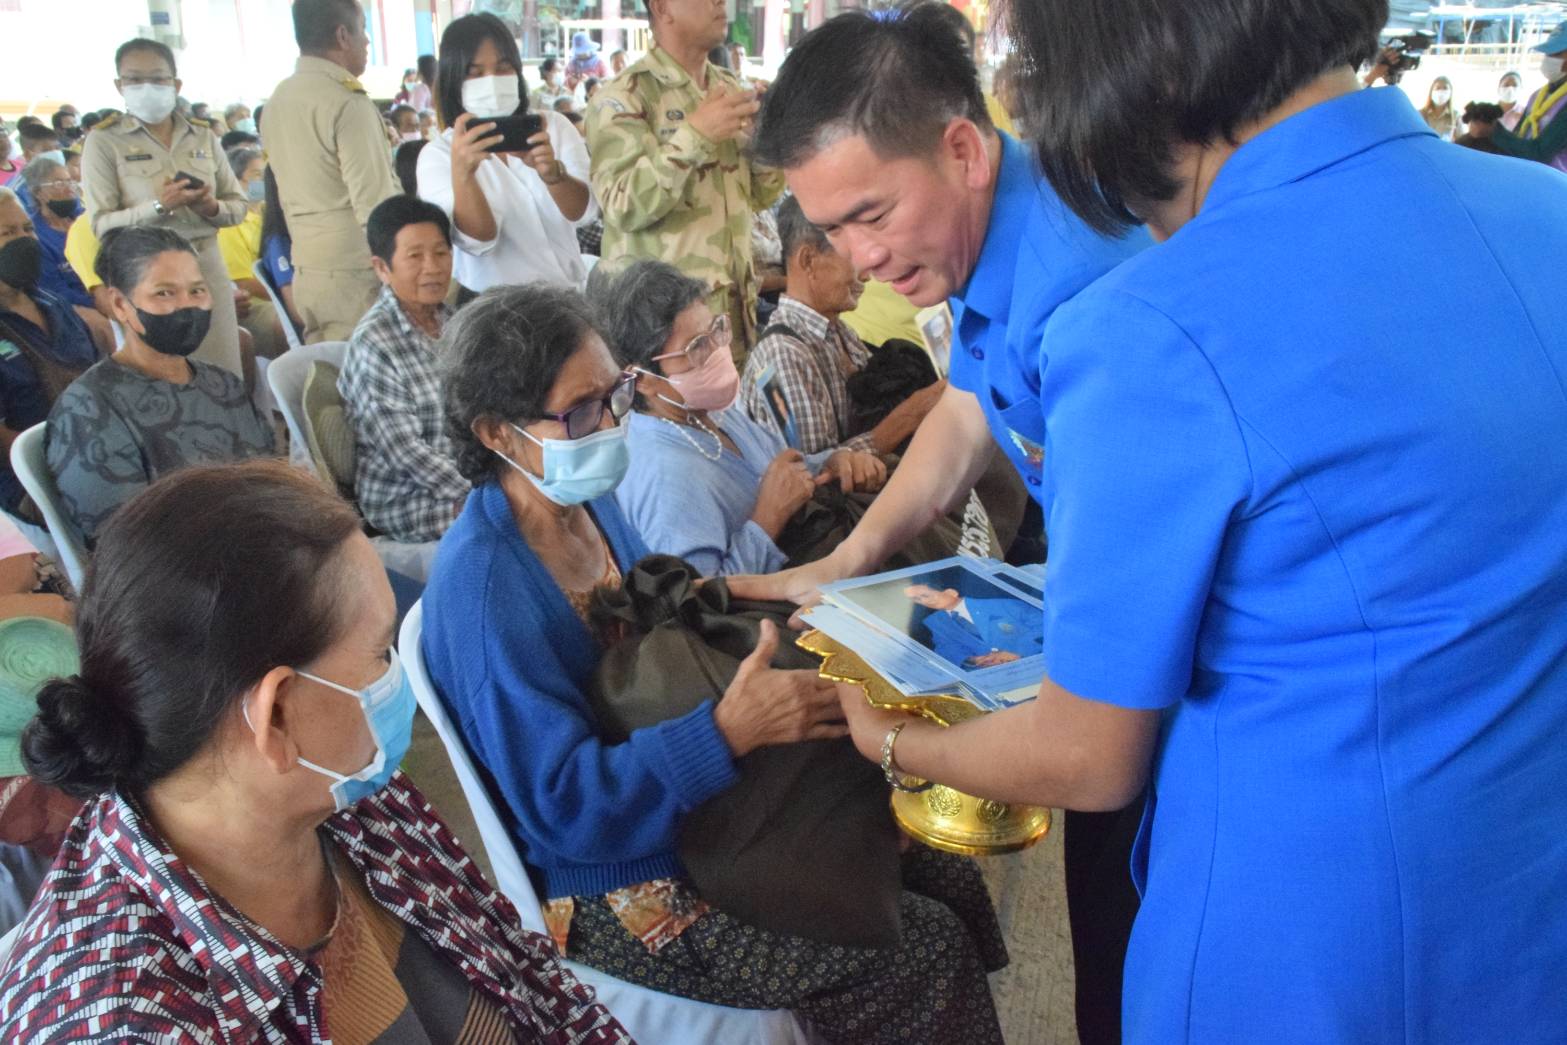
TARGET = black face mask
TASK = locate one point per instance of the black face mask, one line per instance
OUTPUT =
(62, 208)
(20, 263)
(177, 333)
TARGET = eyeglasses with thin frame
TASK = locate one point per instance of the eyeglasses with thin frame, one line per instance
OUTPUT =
(701, 347)
(584, 418)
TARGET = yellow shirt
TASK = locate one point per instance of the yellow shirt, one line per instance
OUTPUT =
(882, 315)
(240, 246)
(999, 115)
(81, 252)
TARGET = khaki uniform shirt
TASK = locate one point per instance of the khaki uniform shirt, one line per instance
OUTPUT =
(669, 192)
(124, 168)
(327, 147)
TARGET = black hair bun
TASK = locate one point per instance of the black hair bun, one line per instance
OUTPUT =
(78, 741)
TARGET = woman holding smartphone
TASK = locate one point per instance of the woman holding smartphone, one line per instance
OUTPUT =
(515, 183)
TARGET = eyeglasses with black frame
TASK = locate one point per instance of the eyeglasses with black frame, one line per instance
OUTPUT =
(584, 418)
(701, 347)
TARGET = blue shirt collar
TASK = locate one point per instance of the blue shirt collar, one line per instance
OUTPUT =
(989, 288)
(1325, 134)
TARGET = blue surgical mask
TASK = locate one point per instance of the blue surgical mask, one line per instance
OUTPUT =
(388, 704)
(246, 125)
(257, 191)
(579, 470)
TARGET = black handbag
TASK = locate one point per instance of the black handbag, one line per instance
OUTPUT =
(804, 843)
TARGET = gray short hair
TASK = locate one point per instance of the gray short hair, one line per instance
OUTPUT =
(795, 231)
(228, 113)
(242, 156)
(639, 308)
(38, 171)
(501, 356)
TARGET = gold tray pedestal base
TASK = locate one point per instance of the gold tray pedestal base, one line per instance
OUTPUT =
(939, 817)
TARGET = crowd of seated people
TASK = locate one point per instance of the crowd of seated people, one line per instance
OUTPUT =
(536, 404)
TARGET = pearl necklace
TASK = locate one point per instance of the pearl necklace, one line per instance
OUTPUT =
(718, 450)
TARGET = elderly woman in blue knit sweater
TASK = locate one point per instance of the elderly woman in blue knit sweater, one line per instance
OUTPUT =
(535, 404)
(707, 483)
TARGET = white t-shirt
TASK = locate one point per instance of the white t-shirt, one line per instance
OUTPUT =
(534, 242)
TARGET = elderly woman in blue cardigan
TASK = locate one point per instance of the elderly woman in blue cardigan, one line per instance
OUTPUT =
(535, 404)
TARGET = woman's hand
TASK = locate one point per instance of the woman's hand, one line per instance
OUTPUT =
(541, 157)
(868, 725)
(786, 486)
(764, 706)
(856, 471)
(470, 138)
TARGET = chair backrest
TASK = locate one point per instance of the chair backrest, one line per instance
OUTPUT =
(510, 875)
(291, 333)
(27, 461)
(286, 374)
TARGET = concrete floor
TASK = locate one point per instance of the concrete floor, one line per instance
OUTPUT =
(1033, 995)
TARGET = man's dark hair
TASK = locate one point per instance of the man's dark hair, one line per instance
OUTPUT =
(394, 214)
(459, 44)
(316, 22)
(201, 110)
(34, 134)
(141, 43)
(795, 231)
(1115, 84)
(502, 354)
(896, 77)
(549, 65)
(234, 139)
(59, 118)
(397, 110)
(28, 121)
(89, 120)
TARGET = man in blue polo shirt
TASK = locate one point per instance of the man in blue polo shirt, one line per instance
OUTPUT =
(893, 154)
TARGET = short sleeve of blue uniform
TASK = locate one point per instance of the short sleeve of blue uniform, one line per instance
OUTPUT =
(1149, 459)
(275, 254)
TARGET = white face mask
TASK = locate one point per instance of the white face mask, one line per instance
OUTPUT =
(1440, 98)
(1508, 95)
(149, 102)
(1551, 66)
(490, 96)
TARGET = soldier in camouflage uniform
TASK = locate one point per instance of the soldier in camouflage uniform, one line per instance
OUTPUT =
(670, 169)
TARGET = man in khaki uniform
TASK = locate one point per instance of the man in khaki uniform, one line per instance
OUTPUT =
(670, 172)
(327, 147)
(129, 165)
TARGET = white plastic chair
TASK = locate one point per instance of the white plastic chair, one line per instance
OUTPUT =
(286, 374)
(652, 1018)
(290, 334)
(27, 461)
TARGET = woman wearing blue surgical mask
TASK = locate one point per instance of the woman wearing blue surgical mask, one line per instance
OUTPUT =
(514, 213)
(249, 854)
(241, 248)
(535, 405)
(149, 409)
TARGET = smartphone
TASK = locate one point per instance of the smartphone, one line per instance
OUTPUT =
(515, 132)
(190, 180)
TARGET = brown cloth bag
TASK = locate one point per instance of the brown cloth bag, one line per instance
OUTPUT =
(804, 843)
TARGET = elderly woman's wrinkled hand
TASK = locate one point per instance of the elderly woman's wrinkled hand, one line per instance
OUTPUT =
(765, 706)
(855, 471)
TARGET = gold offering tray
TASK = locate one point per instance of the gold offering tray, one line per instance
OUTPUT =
(940, 817)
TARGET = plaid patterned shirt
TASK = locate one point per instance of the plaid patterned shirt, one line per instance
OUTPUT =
(406, 480)
(813, 371)
(126, 941)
